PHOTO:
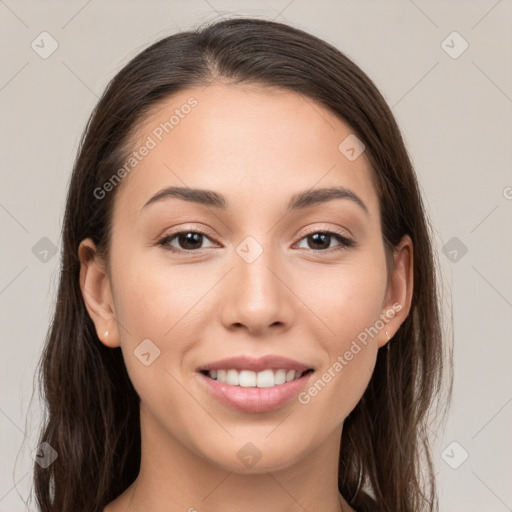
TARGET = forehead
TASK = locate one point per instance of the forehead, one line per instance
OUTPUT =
(252, 144)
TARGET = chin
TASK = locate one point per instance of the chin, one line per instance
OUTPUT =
(253, 457)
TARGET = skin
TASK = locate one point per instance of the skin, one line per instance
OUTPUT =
(256, 146)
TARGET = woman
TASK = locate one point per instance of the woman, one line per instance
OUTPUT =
(247, 315)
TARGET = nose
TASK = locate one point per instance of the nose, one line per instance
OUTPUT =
(258, 295)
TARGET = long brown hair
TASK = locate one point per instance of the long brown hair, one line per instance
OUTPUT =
(92, 418)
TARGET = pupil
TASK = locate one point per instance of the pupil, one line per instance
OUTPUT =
(190, 238)
(319, 237)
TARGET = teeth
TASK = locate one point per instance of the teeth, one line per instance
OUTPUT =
(265, 379)
(280, 377)
(232, 378)
(248, 378)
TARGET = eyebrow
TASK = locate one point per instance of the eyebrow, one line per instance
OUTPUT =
(298, 201)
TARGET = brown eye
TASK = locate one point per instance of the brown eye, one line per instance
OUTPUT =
(321, 240)
(187, 241)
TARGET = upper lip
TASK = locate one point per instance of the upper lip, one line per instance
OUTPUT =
(259, 364)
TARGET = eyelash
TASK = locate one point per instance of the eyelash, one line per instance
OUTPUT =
(345, 243)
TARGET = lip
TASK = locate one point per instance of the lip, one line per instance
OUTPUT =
(259, 364)
(254, 399)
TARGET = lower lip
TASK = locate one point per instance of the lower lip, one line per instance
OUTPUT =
(255, 399)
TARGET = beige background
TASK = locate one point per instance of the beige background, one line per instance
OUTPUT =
(455, 114)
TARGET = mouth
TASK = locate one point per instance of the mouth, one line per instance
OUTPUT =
(249, 379)
(255, 385)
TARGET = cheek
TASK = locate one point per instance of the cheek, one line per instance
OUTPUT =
(350, 351)
(349, 303)
(160, 303)
(347, 298)
(155, 308)
(152, 297)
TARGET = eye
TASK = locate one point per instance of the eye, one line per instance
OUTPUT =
(189, 241)
(321, 241)
(192, 240)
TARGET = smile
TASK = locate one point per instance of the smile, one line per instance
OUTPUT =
(247, 378)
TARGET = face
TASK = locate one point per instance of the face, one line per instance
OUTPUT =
(256, 269)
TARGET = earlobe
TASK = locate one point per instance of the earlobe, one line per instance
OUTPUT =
(400, 289)
(96, 292)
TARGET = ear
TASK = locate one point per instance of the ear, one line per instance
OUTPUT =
(96, 292)
(399, 292)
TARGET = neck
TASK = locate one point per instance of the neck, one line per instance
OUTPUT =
(173, 477)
